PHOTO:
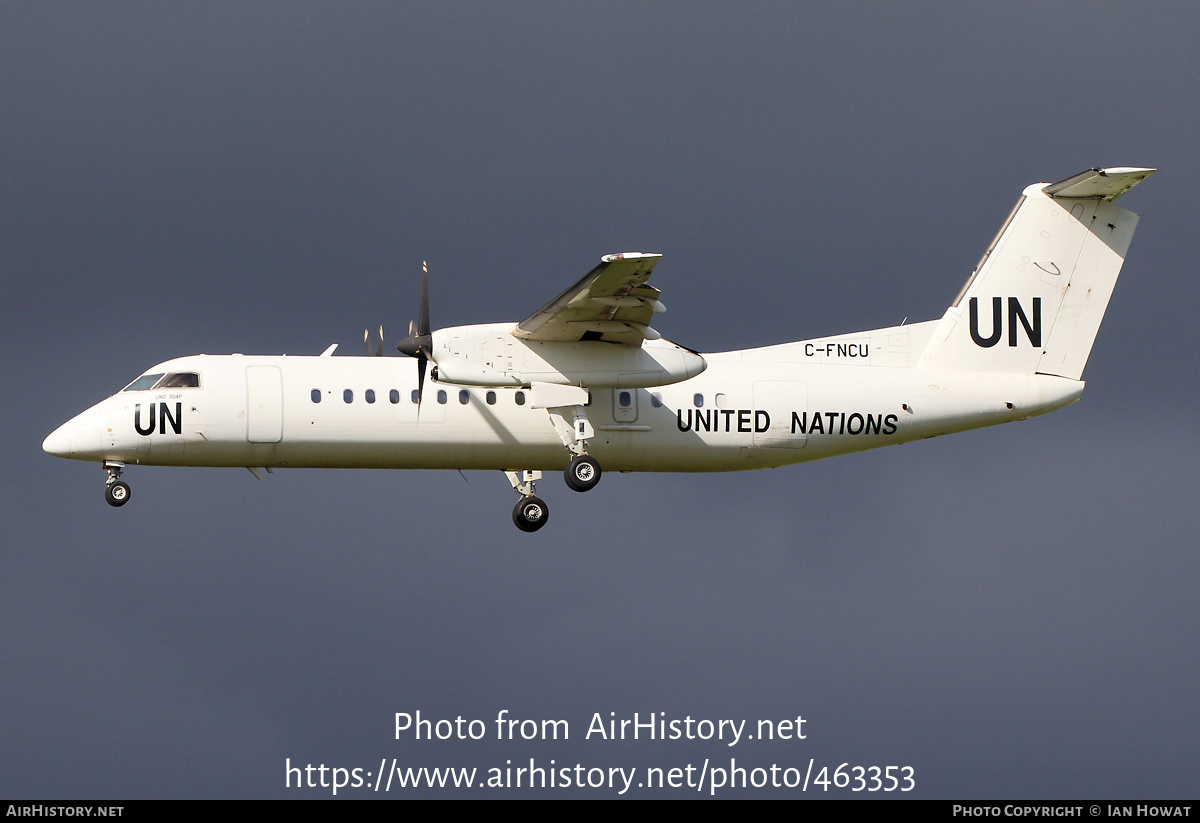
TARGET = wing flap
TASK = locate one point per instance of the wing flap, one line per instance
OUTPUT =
(611, 303)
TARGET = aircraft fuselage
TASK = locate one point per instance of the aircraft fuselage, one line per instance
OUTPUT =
(751, 409)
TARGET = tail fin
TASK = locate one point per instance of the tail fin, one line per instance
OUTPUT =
(1035, 301)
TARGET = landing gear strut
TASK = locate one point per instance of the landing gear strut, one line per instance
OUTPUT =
(116, 491)
(531, 512)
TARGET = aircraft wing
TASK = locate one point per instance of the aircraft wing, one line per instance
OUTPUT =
(612, 304)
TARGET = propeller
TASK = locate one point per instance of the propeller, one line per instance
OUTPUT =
(419, 342)
(378, 343)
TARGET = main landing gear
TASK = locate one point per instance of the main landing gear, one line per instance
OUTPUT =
(583, 472)
(116, 490)
(531, 512)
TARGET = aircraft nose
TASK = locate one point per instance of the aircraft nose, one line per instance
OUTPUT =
(59, 442)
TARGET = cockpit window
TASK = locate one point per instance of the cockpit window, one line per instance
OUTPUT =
(144, 382)
(173, 380)
(179, 380)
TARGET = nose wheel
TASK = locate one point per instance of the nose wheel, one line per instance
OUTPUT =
(117, 493)
(116, 490)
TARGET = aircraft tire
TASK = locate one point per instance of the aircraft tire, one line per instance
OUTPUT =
(530, 514)
(117, 493)
(582, 473)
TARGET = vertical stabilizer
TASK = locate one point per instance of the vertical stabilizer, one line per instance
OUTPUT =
(1035, 301)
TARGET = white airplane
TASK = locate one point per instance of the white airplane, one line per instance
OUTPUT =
(585, 381)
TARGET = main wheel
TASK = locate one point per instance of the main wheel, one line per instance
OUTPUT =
(530, 514)
(582, 473)
(117, 493)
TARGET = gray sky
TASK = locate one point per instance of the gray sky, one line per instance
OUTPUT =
(1011, 611)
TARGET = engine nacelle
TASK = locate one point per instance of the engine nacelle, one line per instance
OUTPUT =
(465, 373)
(490, 355)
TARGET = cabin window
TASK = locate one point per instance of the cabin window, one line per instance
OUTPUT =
(416, 396)
(698, 399)
(464, 397)
(370, 395)
(722, 401)
(316, 395)
(520, 398)
(656, 400)
(394, 396)
(348, 395)
(144, 382)
(624, 406)
(442, 396)
(491, 398)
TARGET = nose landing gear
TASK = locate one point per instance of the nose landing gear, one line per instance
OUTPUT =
(117, 493)
(116, 490)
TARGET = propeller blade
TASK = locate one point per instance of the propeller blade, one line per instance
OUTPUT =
(419, 342)
(423, 324)
(379, 345)
(422, 364)
(366, 345)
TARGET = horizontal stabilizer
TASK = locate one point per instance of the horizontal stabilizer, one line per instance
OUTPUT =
(1105, 184)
